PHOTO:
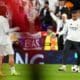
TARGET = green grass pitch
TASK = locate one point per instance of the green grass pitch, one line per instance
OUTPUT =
(47, 72)
(50, 72)
(22, 69)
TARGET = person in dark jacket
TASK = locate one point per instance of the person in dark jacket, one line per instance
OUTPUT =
(61, 9)
(45, 17)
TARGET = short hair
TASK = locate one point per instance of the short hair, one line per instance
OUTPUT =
(46, 2)
(64, 14)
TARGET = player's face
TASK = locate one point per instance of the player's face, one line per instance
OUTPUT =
(64, 18)
(74, 16)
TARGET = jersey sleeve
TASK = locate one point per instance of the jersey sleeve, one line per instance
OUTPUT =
(5, 25)
(7, 28)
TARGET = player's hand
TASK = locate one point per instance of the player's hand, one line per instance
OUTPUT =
(13, 37)
(57, 34)
(17, 28)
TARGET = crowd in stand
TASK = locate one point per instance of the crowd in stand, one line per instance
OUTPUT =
(35, 15)
(42, 10)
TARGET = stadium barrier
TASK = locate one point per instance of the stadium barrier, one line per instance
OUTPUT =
(30, 51)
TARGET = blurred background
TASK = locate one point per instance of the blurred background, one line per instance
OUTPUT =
(33, 17)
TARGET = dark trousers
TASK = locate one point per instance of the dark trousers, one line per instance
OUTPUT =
(67, 47)
(78, 59)
(60, 43)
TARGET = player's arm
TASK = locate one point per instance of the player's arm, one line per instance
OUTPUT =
(7, 29)
(57, 20)
(54, 17)
(13, 29)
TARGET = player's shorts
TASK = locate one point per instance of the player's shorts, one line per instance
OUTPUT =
(6, 50)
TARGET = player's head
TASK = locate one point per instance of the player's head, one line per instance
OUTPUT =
(74, 14)
(3, 11)
(46, 4)
(50, 29)
(64, 17)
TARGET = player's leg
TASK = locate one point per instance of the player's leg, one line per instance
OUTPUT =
(10, 52)
(12, 66)
(66, 49)
(11, 63)
(78, 59)
(77, 45)
(78, 53)
(2, 54)
(60, 43)
(1, 66)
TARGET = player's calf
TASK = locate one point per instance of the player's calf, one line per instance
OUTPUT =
(12, 67)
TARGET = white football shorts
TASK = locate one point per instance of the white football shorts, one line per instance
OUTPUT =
(6, 50)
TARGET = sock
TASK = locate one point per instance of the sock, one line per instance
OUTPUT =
(64, 66)
(13, 69)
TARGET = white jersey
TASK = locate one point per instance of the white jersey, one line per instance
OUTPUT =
(72, 28)
(59, 22)
(4, 29)
(5, 41)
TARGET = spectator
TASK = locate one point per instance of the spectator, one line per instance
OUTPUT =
(45, 17)
(61, 8)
